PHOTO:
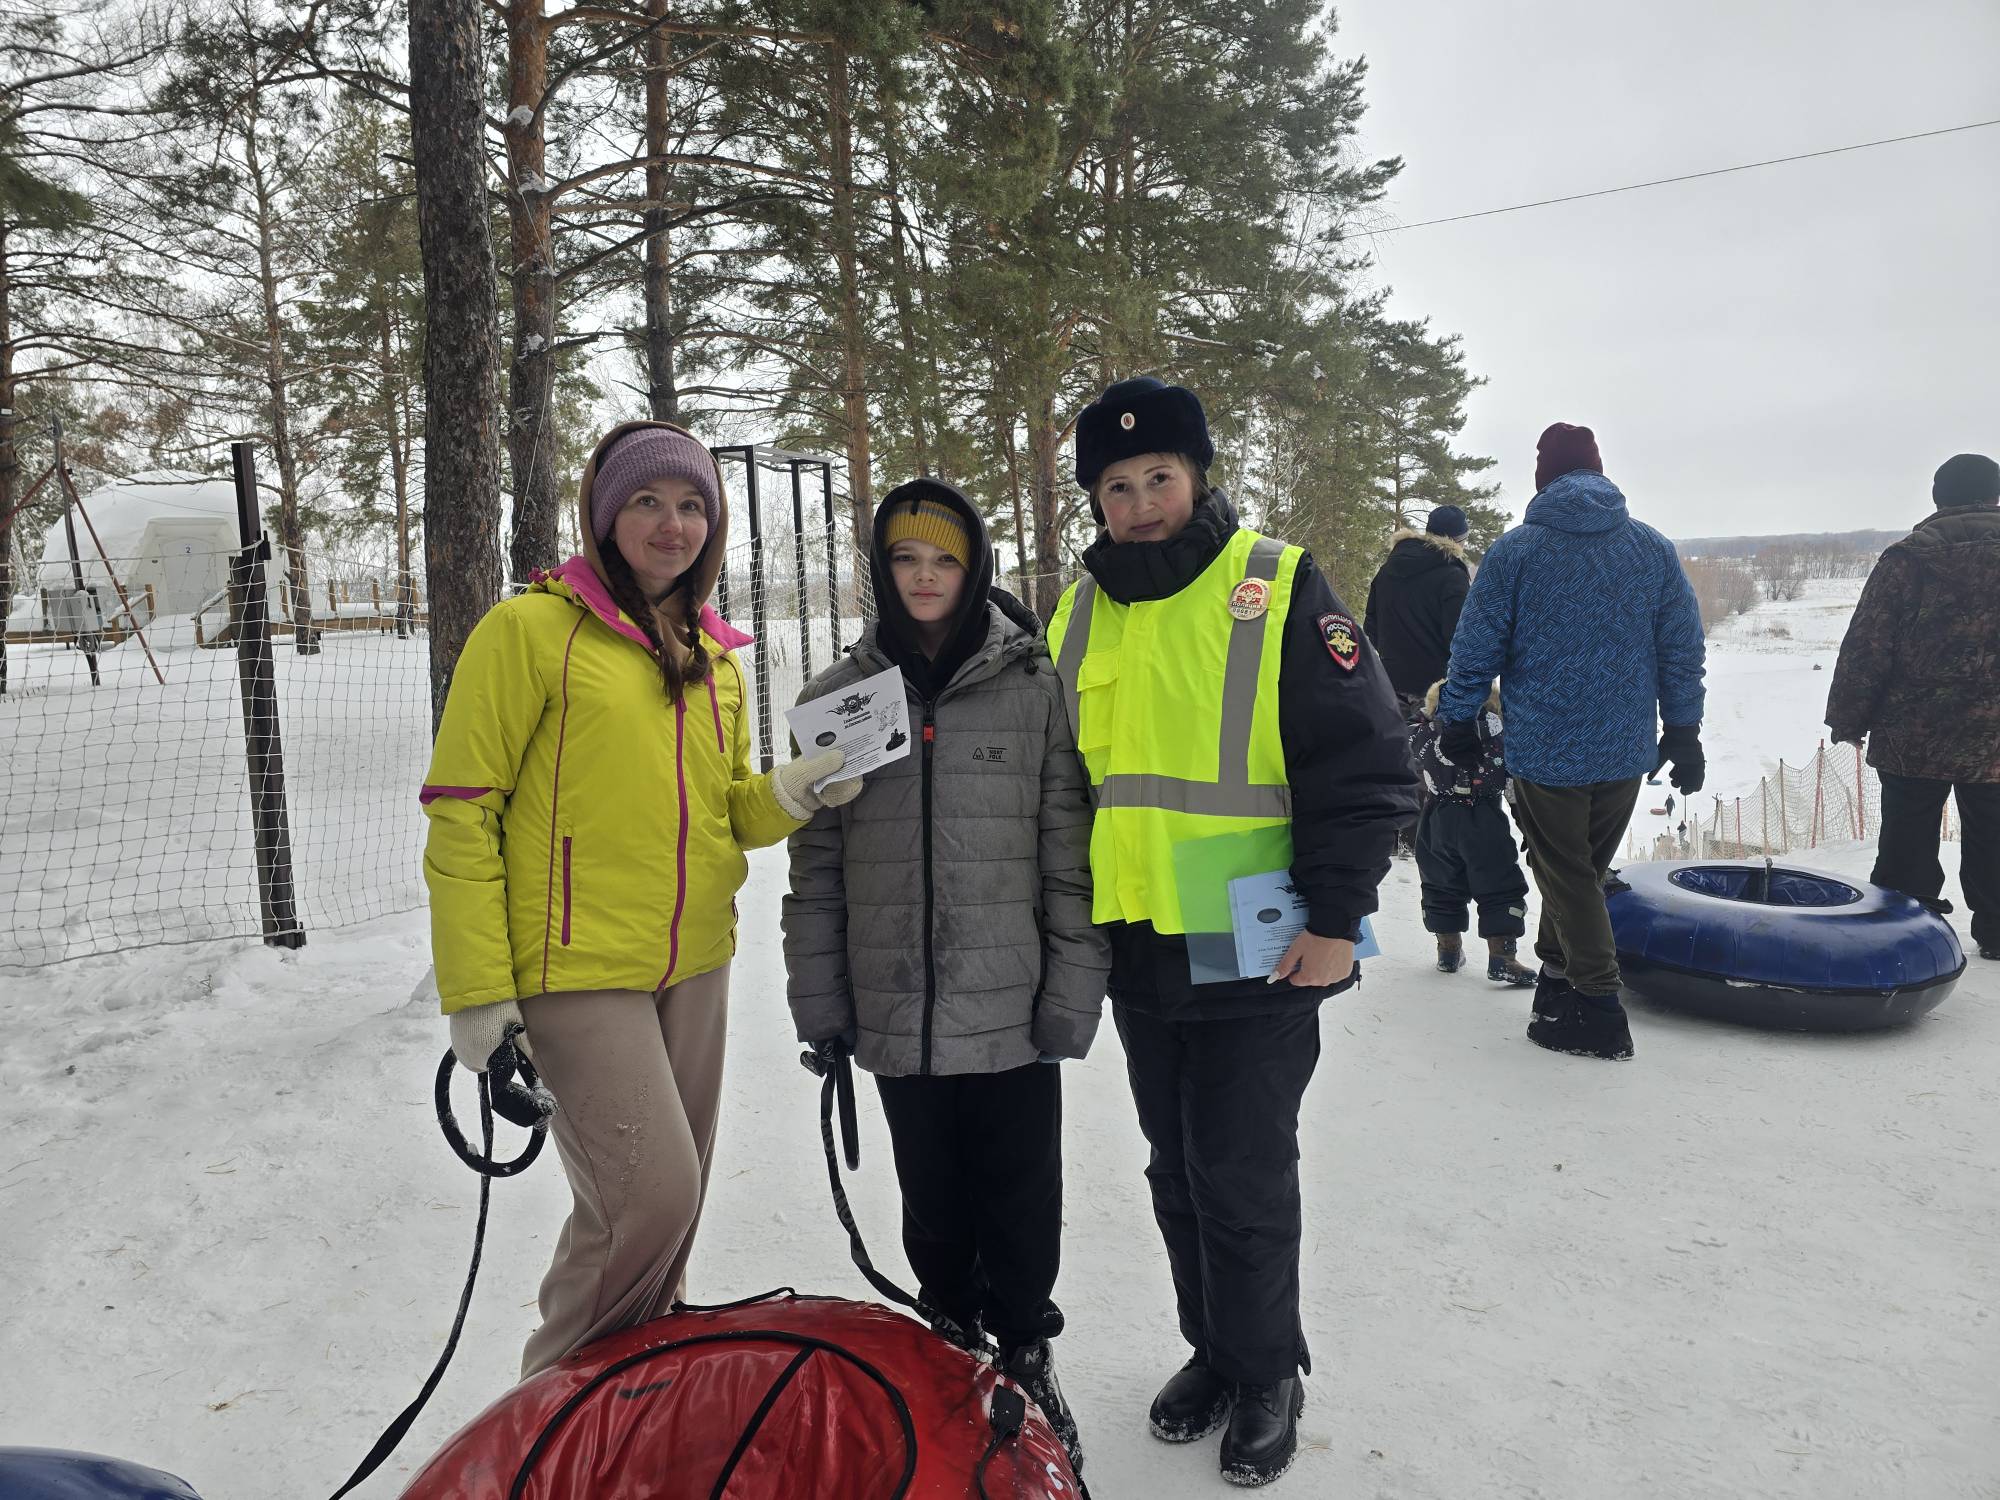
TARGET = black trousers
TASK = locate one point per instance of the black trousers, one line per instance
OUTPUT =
(1465, 855)
(1906, 854)
(1572, 834)
(1219, 1104)
(979, 1160)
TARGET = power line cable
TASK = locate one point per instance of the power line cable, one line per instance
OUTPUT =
(1633, 187)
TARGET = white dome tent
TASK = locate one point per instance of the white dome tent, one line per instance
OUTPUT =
(169, 530)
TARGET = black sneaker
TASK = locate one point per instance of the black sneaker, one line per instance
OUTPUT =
(1191, 1405)
(1263, 1435)
(1451, 953)
(1589, 1026)
(1989, 950)
(1033, 1367)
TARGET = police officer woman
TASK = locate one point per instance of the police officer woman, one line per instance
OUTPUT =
(1233, 721)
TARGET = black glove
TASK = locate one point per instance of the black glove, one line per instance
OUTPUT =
(1681, 744)
(1849, 736)
(826, 1054)
(1458, 742)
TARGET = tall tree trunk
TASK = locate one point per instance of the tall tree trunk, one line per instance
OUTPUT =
(853, 351)
(291, 534)
(10, 459)
(461, 330)
(662, 394)
(1044, 439)
(399, 472)
(1005, 432)
(916, 394)
(532, 376)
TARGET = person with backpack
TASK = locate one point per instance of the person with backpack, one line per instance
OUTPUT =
(938, 928)
(1233, 720)
(1465, 847)
(590, 799)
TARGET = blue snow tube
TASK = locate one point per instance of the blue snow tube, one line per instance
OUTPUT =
(1767, 945)
(56, 1474)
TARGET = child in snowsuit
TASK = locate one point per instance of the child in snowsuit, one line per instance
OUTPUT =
(1465, 847)
(589, 799)
(939, 928)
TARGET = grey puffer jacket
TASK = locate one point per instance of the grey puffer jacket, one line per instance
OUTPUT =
(943, 916)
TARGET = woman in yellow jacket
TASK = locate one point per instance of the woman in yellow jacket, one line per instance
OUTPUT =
(590, 797)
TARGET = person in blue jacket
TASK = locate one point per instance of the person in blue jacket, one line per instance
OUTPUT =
(1587, 618)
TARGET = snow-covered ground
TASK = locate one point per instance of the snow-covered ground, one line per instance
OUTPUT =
(1740, 1265)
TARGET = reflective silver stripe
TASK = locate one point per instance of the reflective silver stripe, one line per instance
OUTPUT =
(1239, 677)
(1171, 794)
(1076, 641)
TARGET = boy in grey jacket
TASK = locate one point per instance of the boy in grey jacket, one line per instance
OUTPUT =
(938, 927)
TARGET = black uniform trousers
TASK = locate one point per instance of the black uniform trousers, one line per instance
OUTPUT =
(1219, 1104)
(1465, 854)
(1906, 853)
(979, 1160)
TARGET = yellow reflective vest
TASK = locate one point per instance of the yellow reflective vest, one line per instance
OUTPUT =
(1175, 706)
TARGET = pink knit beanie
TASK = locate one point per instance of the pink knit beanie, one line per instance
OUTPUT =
(646, 456)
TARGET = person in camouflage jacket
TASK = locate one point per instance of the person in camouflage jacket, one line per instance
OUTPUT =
(1919, 678)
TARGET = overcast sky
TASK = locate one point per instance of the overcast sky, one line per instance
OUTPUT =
(1790, 349)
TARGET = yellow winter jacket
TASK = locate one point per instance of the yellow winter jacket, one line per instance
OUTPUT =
(585, 832)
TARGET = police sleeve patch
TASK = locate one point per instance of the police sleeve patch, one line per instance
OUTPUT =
(1343, 640)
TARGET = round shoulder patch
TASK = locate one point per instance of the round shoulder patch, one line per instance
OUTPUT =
(1250, 598)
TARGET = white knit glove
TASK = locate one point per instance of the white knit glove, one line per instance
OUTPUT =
(478, 1030)
(792, 785)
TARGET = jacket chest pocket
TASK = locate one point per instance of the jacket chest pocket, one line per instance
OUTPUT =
(1096, 700)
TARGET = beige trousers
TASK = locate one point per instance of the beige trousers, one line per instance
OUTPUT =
(638, 1079)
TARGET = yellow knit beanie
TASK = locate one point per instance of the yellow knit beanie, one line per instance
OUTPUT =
(929, 521)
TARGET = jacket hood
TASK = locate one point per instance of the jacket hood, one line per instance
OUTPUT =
(1414, 552)
(1490, 706)
(1009, 632)
(708, 565)
(896, 636)
(1581, 501)
(580, 581)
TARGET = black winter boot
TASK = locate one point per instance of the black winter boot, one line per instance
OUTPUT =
(1503, 968)
(1591, 1026)
(1553, 999)
(1263, 1435)
(1191, 1405)
(1989, 950)
(1033, 1366)
(1451, 953)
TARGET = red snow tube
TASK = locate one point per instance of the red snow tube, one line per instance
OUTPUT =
(780, 1398)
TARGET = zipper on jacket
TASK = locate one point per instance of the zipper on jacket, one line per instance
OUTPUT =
(930, 955)
(566, 893)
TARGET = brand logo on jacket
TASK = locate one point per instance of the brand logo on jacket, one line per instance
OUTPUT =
(1343, 640)
(990, 752)
(1250, 598)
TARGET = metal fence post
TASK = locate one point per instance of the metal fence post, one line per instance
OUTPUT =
(762, 649)
(799, 559)
(249, 615)
(832, 557)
